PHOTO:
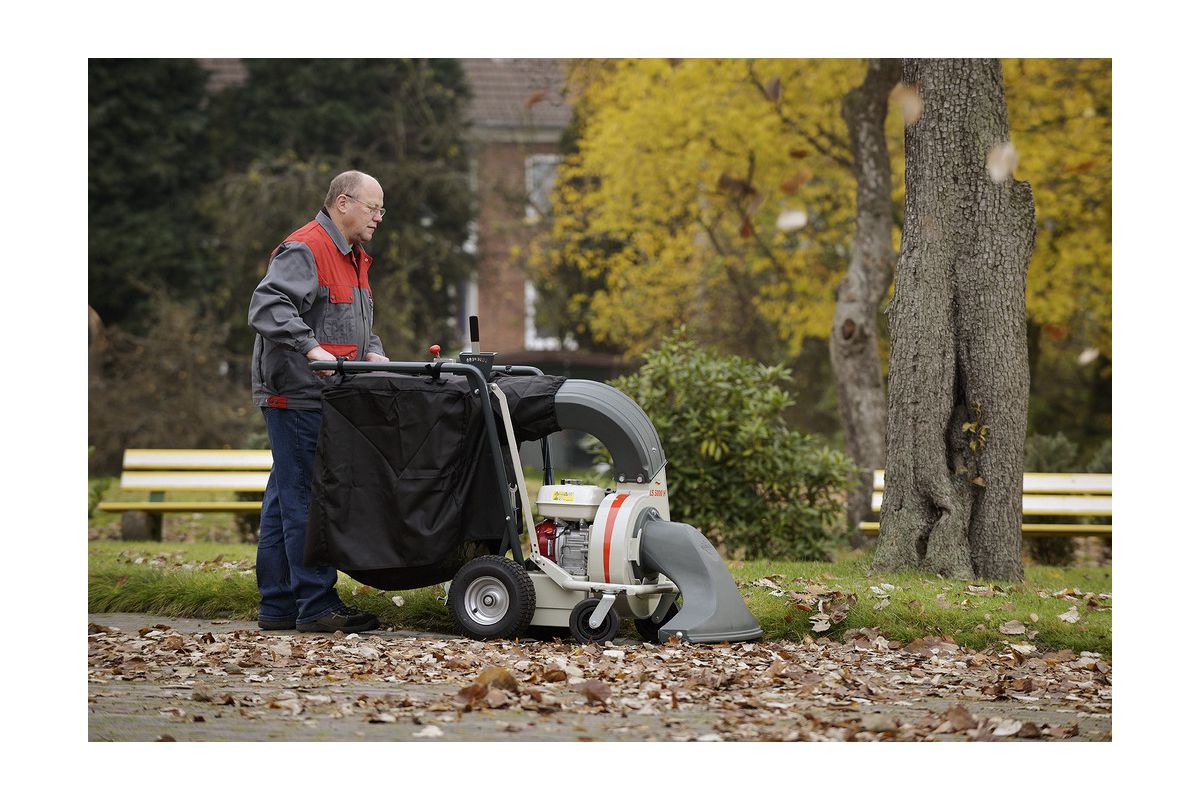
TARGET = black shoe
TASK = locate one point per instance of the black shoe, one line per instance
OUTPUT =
(341, 618)
(276, 623)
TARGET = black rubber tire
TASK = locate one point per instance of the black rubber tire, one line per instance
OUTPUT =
(506, 582)
(585, 633)
(648, 629)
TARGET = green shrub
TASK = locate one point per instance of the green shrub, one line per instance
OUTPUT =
(1054, 453)
(737, 472)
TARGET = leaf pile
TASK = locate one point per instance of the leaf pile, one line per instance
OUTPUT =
(864, 688)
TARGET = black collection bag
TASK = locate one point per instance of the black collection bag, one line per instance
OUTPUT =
(404, 486)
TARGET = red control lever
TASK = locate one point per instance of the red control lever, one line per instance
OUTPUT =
(436, 349)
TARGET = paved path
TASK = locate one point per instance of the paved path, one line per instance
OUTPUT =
(153, 678)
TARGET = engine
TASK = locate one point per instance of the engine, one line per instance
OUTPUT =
(565, 535)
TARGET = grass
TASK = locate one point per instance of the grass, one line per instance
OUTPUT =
(211, 579)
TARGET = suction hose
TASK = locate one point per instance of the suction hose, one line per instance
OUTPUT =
(713, 608)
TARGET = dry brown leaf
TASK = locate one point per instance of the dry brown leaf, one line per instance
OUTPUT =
(1014, 627)
(595, 691)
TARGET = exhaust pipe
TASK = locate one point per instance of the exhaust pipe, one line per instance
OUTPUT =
(713, 608)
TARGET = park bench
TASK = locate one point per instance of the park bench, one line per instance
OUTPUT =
(187, 472)
(1080, 497)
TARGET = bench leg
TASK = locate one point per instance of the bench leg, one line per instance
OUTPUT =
(141, 526)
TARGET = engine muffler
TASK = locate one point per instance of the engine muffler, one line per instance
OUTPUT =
(713, 609)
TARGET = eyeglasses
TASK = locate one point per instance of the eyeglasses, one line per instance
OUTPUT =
(380, 210)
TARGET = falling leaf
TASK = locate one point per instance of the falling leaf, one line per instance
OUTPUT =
(1001, 162)
(1013, 627)
(798, 153)
(747, 229)
(1057, 333)
(1071, 616)
(909, 101)
(793, 184)
(1088, 356)
(728, 183)
(791, 220)
(774, 89)
(535, 98)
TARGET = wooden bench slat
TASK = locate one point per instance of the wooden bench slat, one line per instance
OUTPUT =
(224, 481)
(1050, 483)
(1032, 529)
(1047, 505)
(181, 506)
(197, 459)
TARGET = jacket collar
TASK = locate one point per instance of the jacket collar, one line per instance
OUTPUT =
(334, 233)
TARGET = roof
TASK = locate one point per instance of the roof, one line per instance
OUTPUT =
(517, 93)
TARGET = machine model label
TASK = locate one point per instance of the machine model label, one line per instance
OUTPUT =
(568, 496)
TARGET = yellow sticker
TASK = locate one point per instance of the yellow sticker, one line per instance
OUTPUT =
(568, 496)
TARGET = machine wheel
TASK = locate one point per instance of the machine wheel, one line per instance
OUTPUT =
(648, 629)
(585, 633)
(492, 597)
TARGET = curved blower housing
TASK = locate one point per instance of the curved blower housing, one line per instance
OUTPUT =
(713, 608)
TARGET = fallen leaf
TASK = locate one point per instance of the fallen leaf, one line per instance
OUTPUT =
(397, 600)
(594, 691)
(534, 98)
(960, 719)
(429, 732)
(1013, 627)
(498, 677)
(1071, 616)
(1007, 727)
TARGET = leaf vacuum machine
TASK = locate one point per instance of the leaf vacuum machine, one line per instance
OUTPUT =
(418, 480)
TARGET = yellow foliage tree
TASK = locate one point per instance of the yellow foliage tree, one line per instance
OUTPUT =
(715, 192)
(719, 192)
(1061, 116)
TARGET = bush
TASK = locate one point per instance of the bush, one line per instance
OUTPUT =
(167, 388)
(737, 472)
(1054, 453)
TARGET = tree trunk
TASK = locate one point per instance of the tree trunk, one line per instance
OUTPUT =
(959, 371)
(854, 343)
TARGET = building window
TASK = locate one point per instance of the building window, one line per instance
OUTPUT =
(539, 183)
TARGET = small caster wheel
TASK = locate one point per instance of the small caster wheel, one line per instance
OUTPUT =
(581, 628)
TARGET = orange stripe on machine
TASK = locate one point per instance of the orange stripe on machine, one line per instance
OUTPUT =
(608, 530)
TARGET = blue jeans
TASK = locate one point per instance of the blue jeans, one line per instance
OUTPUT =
(286, 587)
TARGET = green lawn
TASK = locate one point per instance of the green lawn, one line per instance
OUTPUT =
(216, 580)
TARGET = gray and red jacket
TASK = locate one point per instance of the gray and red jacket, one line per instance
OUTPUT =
(315, 292)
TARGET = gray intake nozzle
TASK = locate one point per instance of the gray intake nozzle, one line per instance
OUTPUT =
(713, 608)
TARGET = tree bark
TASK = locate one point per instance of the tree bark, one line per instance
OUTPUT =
(854, 342)
(959, 371)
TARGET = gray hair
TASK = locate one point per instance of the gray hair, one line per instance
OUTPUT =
(346, 183)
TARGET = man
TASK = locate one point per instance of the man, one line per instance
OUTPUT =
(313, 305)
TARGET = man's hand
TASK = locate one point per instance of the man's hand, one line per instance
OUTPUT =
(319, 353)
(376, 357)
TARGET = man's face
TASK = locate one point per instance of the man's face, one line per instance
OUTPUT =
(362, 212)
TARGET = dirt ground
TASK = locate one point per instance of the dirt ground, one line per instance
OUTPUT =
(169, 679)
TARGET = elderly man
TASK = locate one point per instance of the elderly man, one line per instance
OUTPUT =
(313, 305)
